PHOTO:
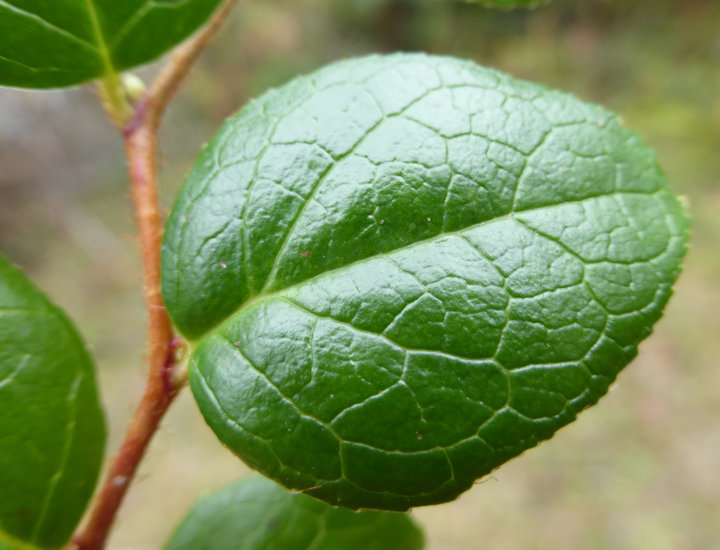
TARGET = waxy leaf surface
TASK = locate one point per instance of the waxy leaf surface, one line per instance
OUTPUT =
(52, 432)
(257, 514)
(47, 44)
(399, 272)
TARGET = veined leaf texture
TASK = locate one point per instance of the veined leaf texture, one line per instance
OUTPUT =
(400, 271)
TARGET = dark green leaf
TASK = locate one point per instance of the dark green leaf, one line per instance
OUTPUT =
(257, 514)
(401, 271)
(65, 42)
(52, 431)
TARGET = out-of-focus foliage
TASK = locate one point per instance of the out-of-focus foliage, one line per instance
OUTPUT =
(635, 473)
(257, 514)
(506, 4)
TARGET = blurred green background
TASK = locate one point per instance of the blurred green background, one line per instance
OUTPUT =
(640, 471)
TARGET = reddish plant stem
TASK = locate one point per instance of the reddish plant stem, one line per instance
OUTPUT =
(141, 147)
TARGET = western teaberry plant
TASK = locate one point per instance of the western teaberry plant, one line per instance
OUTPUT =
(392, 275)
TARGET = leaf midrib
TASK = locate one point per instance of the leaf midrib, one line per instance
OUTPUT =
(63, 463)
(102, 47)
(193, 342)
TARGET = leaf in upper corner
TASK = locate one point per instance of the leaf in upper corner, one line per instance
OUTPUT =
(52, 432)
(257, 514)
(401, 271)
(66, 42)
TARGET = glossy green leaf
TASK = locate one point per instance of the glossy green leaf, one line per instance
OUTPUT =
(257, 514)
(52, 432)
(399, 272)
(49, 44)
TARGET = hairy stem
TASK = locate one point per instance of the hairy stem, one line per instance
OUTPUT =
(141, 147)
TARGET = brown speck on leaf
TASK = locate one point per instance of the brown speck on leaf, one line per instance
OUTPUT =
(419, 435)
(304, 254)
(223, 265)
(237, 344)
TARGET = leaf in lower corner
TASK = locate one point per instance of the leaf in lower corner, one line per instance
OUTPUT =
(401, 271)
(52, 432)
(66, 42)
(257, 514)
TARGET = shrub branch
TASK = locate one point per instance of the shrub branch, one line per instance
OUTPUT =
(141, 147)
